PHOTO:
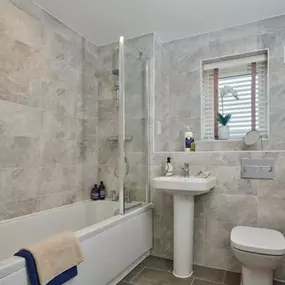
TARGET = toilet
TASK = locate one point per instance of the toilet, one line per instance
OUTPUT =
(259, 251)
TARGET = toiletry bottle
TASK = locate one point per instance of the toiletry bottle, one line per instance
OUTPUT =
(95, 193)
(168, 167)
(102, 191)
(193, 145)
(188, 139)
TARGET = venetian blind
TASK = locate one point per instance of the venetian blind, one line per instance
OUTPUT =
(240, 79)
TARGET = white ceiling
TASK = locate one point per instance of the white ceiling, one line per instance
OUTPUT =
(104, 21)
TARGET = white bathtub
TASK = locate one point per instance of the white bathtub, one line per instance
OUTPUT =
(112, 245)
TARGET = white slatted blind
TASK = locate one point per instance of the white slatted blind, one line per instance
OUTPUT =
(240, 79)
(208, 106)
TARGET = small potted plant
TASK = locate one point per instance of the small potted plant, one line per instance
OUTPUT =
(224, 129)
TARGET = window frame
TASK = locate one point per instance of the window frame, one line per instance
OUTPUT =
(253, 72)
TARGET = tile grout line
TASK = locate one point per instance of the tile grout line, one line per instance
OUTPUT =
(193, 281)
(223, 281)
(148, 267)
(137, 274)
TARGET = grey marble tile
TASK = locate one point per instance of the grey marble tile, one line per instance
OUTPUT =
(60, 98)
(220, 258)
(232, 209)
(59, 151)
(198, 256)
(90, 174)
(271, 213)
(157, 263)
(19, 183)
(108, 174)
(58, 178)
(199, 206)
(279, 273)
(19, 151)
(199, 231)
(19, 208)
(242, 44)
(60, 126)
(272, 24)
(228, 178)
(210, 274)
(87, 151)
(232, 278)
(56, 200)
(45, 66)
(217, 234)
(20, 120)
(151, 277)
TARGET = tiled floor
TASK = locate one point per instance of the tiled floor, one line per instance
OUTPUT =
(157, 271)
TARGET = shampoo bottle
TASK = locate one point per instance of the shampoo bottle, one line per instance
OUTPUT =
(102, 191)
(95, 193)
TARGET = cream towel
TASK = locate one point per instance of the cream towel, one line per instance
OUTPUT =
(55, 255)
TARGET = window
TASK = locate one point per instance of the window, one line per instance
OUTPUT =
(235, 86)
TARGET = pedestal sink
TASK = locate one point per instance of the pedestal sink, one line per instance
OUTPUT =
(183, 189)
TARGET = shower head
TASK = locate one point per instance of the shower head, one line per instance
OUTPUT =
(116, 72)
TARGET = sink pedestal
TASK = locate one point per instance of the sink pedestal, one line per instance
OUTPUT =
(183, 235)
(183, 190)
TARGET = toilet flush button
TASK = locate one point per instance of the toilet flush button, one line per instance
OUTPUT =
(257, 168)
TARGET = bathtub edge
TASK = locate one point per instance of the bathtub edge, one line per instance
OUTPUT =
(88, 232)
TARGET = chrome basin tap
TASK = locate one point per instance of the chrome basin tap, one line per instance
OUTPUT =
(186, 169)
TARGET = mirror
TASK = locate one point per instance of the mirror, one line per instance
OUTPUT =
(252, 138)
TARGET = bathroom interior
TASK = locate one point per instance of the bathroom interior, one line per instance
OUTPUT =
(181, 120)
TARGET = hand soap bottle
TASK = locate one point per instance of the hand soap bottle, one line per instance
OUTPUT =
(189, 144)
(168, 167)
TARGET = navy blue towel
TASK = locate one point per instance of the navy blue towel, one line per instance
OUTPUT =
(33, 272)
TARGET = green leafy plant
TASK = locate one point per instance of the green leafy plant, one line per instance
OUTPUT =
(224, 120)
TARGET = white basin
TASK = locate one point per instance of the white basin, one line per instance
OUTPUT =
(178, 185)
(183, 189)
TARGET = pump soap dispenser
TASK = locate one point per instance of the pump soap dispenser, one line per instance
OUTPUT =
(189, 140)
(168, 167)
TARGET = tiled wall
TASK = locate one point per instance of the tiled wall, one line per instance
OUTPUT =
(234, 201)
(48, 94)
(181, 80)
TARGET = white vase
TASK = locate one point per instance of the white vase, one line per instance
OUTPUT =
(224, 132)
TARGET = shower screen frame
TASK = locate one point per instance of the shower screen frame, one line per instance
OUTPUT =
(122, 125)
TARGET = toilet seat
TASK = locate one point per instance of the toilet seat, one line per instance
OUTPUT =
(258, 240)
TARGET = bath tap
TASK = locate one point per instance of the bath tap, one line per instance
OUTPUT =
(115, 196)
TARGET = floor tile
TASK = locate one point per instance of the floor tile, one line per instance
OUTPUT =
(123, 283)
(133, 274)
(207, 273)
(232, 278)
(157, 277)
(278, 282)
(157, 263)
(204, 282)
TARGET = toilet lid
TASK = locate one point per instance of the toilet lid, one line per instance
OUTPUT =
(258, 240)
